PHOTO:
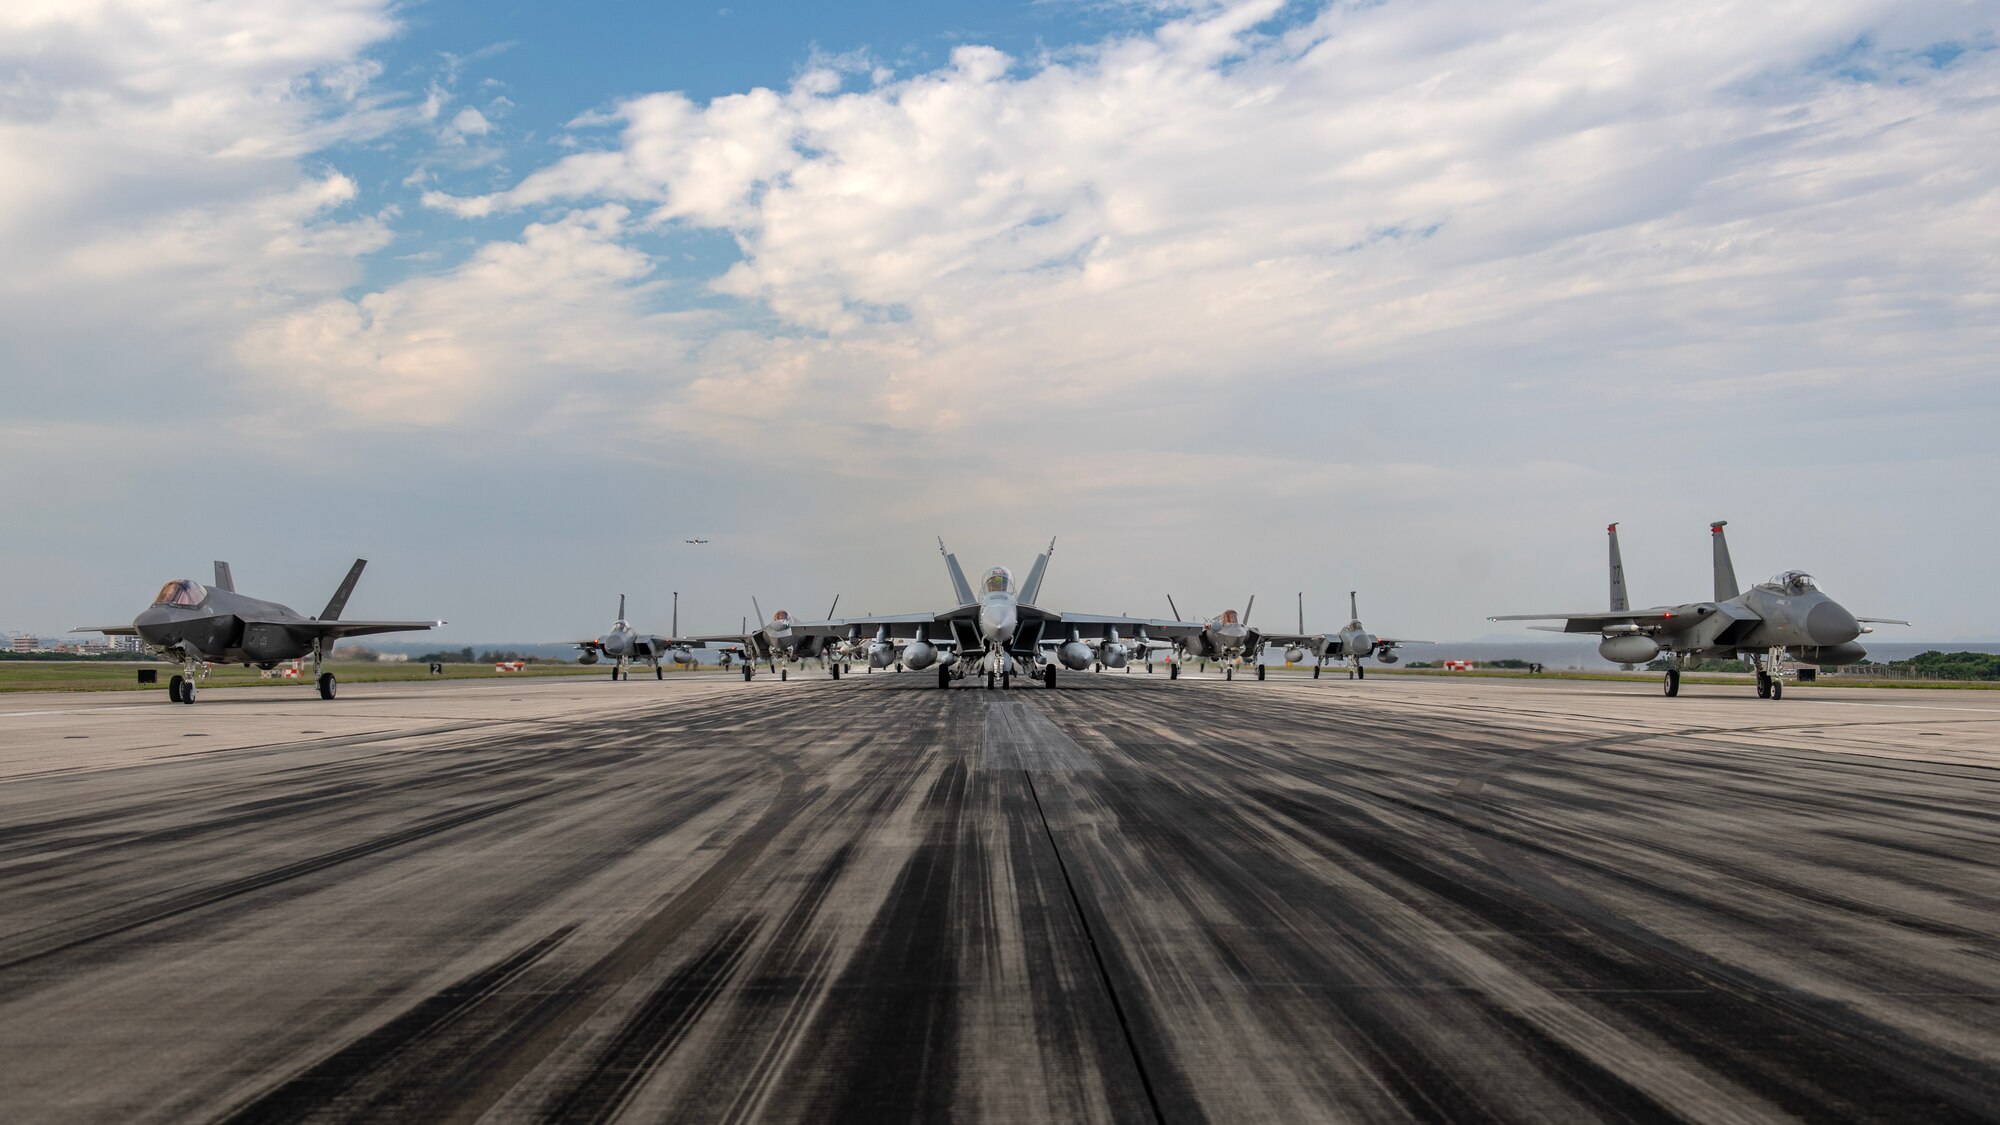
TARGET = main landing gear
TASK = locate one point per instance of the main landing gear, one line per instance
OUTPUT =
(1770, 682)
(1673, 684)
(1049, 676)
(1174, 671)
(1260, 671)
(834, 669)
(1315, 671)
(944, 677)
(659, 673)
(180, 689)
(327, 686)
(748, 672)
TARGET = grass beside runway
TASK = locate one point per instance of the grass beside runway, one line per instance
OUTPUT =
(39, 675)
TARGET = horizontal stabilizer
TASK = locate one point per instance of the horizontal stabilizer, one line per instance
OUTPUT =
(108, 630)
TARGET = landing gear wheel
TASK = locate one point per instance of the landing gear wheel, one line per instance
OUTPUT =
(659, 673)
(836, 671)
(326, 685)
(187, 691)
(1006, 680)
(784, 674)
(747, 673)
(1229, 673)
(1260, 671)
(1777, 688)
(174, 688)
(1173, 671)
(1360, 673)
(1149, 667)
(944, 677)
(991, 679)
(1763, 685)
(1049, 676)
(1315, 671)
(1673, 686)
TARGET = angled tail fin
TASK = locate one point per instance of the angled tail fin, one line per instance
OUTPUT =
(1172, 606)
(1618, 599)
(339, 600)
(1032, 589)
(675, 628)
(621, 607)
(1246, 608)
(1353, 610)
(1725, 571)
(223, 579)
(834, 606)
(1302, 611)
(960, 588)
(761, 621)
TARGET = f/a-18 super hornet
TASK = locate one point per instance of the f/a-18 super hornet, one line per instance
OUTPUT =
(998, 631)
(1351, 644)
(622, 643)
(198, 625)
(1788, 614)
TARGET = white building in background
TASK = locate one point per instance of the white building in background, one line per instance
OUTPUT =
(125, 644)
(25, 642)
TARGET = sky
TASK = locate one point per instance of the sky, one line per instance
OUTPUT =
(1408, 297)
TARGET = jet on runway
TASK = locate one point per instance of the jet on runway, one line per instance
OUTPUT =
(776, 640)
(1788, 614)
(1008, 632)
(1225, 639)
(198, 625)
(622, 643)
(1351, 644)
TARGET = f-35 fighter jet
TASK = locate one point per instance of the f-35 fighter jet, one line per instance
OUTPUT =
(199, 625)
(621, 643)
(1786, 615)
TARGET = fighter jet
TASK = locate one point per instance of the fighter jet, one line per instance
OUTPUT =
(1786, 615)
(199, 625)
(776, 640)
(1005, 629)
(621, 643)
(1351, 644)
(1225, 639)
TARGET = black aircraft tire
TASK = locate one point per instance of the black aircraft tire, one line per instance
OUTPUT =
(944, 677)
(1049, 676)
(836, 671)
(746, 673)
(659, 673)
(1360, 673)
(327, 689)
(1673, 686)
(1260, 671)
(1315, 671)
(1149, 667)
(187, 691)
(1229, 673)
(990, 680)
(784, 674)
(1173, 671)
(1006, 680)
(174, 688)
(1777, 688)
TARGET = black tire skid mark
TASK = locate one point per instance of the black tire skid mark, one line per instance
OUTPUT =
(652, 1033)
(769, 1009)
(325, 1083)
(29, 948)
(1835, 1062)
(892, 1015)
(478, 1061)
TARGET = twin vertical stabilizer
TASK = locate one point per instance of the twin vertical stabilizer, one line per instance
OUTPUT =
(960, 588)
(1725, 571)
(1619, 601)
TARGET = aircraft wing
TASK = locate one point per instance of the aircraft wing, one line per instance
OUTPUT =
(838, 627)
(1596, 621)
(108, 630)
(1097, 626)
(1863, 620)
(335, 630)
(1392, 641)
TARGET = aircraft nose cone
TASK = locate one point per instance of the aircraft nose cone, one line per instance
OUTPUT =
(1830, 624)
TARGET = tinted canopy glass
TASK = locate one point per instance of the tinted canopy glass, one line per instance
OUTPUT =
(1795, 582)
(181, 591)
(998, 581)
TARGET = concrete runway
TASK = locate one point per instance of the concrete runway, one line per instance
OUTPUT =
(1124, 900)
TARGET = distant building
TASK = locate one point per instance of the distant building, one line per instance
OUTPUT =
(25, 642)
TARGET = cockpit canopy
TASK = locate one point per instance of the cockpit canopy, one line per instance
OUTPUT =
(1793, 582)
(181, 591)
(1229, 617)
(999, 581)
